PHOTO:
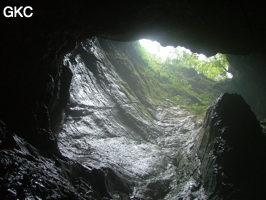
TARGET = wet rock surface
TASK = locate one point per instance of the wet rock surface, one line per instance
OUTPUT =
(156, 151)
(232, 151)
(27, 174)
(107, 126)
(115, 144)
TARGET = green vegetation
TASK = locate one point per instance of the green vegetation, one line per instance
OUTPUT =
(185, 79)
(263, 126)
(214, 68)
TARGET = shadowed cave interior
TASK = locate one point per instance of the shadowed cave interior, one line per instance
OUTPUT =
(82, 118)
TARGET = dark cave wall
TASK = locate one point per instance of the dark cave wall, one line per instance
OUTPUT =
(33, 91)
(249, 80)
(232, 151)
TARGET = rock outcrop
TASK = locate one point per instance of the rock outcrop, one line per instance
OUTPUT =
(27, 174)
(109, 125)
(232, 151)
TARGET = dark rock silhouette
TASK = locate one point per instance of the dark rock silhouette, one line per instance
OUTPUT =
(232, 151)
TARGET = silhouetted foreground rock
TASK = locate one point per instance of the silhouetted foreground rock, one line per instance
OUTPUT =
(232, 151)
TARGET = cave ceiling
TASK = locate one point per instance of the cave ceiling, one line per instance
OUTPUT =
(208, 27)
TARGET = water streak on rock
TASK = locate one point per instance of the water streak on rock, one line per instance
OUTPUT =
(107, 126)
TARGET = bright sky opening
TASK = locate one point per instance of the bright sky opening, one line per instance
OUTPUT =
(155, 48)
(170, 52)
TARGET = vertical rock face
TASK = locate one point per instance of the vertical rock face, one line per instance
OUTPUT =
(114, 142)
(232, 151)
(109, 125)
(27, 174)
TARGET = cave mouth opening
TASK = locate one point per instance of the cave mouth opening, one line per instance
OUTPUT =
(214, 67)
(177, 74)
(180, 76)
(172, 74)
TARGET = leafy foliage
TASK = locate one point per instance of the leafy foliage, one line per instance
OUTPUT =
(263, 125)
(184, 80)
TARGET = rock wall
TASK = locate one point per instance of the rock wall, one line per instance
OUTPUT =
(217, 162)
(232, 151)
(109, 125)
(114, 144)
(249, 81)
